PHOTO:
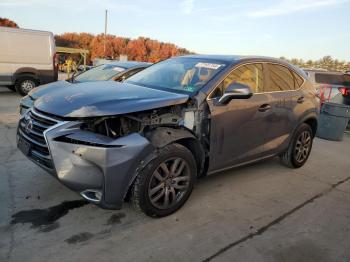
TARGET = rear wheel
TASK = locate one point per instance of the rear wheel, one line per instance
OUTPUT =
(25, 84)
(166, 183)
(300, 147)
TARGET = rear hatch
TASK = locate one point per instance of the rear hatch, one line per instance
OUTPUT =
(331, 85)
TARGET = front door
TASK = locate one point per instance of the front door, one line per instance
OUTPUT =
(238, 129)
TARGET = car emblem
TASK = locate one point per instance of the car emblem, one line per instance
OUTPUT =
(29, 126)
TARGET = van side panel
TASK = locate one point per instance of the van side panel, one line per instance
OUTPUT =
(26, 52)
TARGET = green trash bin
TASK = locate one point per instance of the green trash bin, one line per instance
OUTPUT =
(332, 121)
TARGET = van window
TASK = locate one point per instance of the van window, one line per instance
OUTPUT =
(281, 79)
(250, 75)
(332, 79)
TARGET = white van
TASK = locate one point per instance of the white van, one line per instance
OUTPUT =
(27, 58)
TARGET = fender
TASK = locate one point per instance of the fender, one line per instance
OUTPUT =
(163, 136)
(25, 70)
(309, 114)
(158, 138)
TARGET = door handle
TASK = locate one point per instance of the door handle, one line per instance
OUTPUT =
(300, 100)
(264, 107)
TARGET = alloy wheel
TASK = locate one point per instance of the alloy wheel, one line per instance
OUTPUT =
(302, 146)
(169, 183)
(27, 85)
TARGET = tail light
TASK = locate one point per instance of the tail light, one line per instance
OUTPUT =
(55, 61)
(344, 91)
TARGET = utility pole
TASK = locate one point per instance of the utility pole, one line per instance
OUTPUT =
(104, 44)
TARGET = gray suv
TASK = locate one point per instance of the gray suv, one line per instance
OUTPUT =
(148, 139)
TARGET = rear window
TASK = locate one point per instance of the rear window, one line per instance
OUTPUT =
(298, 80)
(281, 79)
(332, 79)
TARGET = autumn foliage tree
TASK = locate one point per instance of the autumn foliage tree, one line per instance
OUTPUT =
(326, 63)
(75, 40)
(140, 49)
(8, 23)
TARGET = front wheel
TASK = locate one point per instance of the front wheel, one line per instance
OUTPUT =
(299, 148)
(166, 183)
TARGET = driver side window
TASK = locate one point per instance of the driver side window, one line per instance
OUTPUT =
(250, 75)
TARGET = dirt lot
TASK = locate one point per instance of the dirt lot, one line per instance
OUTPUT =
(264, 212)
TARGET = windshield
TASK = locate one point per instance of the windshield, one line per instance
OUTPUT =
(178, 74)
(99, 73)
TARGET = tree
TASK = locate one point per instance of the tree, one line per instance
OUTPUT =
(120, 46)
(137, 50)
(97, 47)
(153, 48)
(8, 23)
(75, 40)
(140, 49)
(327, 62)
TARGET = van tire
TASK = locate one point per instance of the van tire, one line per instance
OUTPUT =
(25, 84)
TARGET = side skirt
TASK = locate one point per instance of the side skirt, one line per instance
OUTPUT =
(242, 164)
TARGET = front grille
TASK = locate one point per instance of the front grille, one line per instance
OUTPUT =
(31, 128)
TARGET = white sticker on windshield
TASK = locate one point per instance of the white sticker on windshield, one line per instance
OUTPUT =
(118, 69)
(208, 65)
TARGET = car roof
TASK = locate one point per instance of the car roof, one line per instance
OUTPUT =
(238, 58)
(224, 58)
(235, 59)
(129, 64)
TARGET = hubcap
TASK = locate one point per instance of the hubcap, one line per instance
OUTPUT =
(169, 183)
(302, 146)
(27, 85)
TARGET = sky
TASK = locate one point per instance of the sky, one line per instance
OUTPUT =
(307, 29)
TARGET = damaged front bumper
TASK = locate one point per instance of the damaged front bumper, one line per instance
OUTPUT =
(97, 167)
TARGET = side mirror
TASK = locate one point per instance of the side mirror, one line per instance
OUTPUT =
(235, 91)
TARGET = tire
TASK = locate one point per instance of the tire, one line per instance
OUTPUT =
(299, 148)
(154, 185)
(25, 84)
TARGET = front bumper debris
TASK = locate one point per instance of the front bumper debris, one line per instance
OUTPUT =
(97, 167)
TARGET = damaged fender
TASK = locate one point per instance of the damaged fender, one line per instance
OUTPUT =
(163, 136)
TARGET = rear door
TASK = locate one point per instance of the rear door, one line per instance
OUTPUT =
(285, 99)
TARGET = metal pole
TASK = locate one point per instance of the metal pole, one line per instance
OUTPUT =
(104, 45)
(84, 61)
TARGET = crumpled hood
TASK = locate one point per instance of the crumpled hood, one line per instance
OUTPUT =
(44, 89)
(104, 98)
